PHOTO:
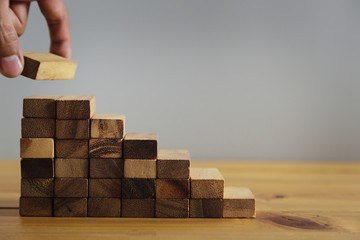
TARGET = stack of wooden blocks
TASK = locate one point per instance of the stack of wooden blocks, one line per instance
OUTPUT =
(75, 163)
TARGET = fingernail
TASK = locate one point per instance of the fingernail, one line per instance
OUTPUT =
(11, 65)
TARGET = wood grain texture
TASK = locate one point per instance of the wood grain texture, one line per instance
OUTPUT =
(40, 107)
(37, 187)
(75, 107)
(108, 126)
(37, 148)
(140, 146)
(36, 207)
(37, 168)
(37, 128)
(75, 148)
(71, 168)
(138, 188)
(70, 207)
(172, 208)
(47, 66)
(172, 188)
(239, 202)
(206, 208)
(173, 164)
(106, 168)
(105, 148)
(105, 188)
(140, 168)
(73, 129)
(71, 187)
(206, 183)
(138, 208)
(104, 207)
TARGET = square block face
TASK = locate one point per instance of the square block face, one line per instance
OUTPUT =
(106, 168)
(37, 187)
(37, 148)
(206, 183)
(36, 207)
(104, 188)
(108, 126)
(37, 168)
(72, 148)
(71, 168)
(140, 168)
(140, 146)
(75, 107)
(173, 164)
(40, 107)
(71, 187)
(172, 208)
(239, 202)
(73, 129)
(172, 188)
(37, 128)
(206, 208)
(138, 208)
(70, 207)
(138, 188)
(104, 207)
(105, 148)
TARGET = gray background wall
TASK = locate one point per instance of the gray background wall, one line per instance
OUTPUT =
(225, 79)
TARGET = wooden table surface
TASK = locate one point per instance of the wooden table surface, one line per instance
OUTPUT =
(293, 201)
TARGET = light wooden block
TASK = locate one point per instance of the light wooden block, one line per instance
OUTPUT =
(75, 107)
(239, 202)
(37, 168)
(140, 168)
(108, 126)
(206, 183)
(37, 128)
(172, 188)
(37, 187)
(104, 207)
(70, 207)
(73, 129)
(74, 148)
(37, 148)
(47, 66)
(36, 207)
(71, 187)
(106, 168)
(206, 208)
(105, 148)
(138, 188)
(173, 164)
(138, 208)
(172, 208)
(140, 146)
(105, 188)
(40, 107)
(71, 168)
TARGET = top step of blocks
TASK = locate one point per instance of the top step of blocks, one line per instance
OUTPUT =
(75, 107)
(40, 107)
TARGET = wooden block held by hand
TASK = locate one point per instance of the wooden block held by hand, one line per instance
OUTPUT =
(140, 168)
(71, 187)
(37, 187)
(73, 129)
(239, 202)
(108, 126)
(37, 168)
(37, 148)
(36, 207)
(70, 207)
(206, 183)
(71, 168)
(138, 208)
(206, 208)
(104, 207)
(173, 164)
(172, 188)
(105, 148)
(75, 107)
(74, 148)
(106, 168)
(105, 188)
(140, 146)
(40, 107)
(37, 128)
(172, 208)
(138, 188)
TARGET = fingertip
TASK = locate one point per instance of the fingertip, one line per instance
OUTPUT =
(11, 66)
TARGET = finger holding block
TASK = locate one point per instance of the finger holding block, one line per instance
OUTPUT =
(238, 202)
(108, 126)
(140, 146)
(37, 148)
(40, 107)
(206, 183)
(75, 107)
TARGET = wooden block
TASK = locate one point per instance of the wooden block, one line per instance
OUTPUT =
(108, 126)
(37, 168)
(105, 148)
(206, 208)
(36, 207)
(37, 128)
(106, 168)
(75, 107)
(140, 168)
(239, 202)
(140, 146)
(71, 168)
(206, 183)
(172, 208)
(40, 107)
(105, 188)
(71, 187)
(75, 148)
(37, 148)
(138, 208)
(173, 164)
(104, 207)
(73, 129)
(47, 66)
(37, 187)
(172, 188)
(138, 188)
(70, 207)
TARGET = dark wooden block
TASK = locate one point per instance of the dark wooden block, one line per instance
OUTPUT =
(206, 208)
(138, 188)
(37, 128)
(172, 188)
(75, 107)
(40, 107)
(206, 183)
(173, 164)
(108, 126)
(104, 207)
(105, 188)
(172, 208)
(238, 202)
(70, 207)
(37, 187)
(105, 148)
(140, 146)
(71, 168)
(138, 208)
(74, 148)
(73, 129)
(36, 207)
(71, 187)
(37, 168)
(106, 168)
